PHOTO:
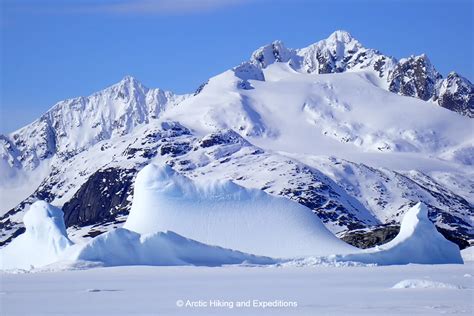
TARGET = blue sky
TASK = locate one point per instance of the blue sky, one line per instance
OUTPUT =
(57, 49)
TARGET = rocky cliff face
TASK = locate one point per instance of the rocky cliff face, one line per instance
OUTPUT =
(414, 77)
(104, 196)
(456, 93)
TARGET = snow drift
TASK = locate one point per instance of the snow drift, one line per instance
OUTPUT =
(424, 284)
(124, 247)
(417, 242)
(225, 214)
(468, 254)
(43, 242)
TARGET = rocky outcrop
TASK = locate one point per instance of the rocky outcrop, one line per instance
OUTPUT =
(414, 77)
(379, 235)
(456, 93)
(104, 195)
(370, 237)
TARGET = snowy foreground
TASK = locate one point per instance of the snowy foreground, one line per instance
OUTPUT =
(317, 290)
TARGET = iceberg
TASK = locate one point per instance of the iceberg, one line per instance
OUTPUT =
(225, 214)
(43, 242)
(121, 247)
(417, 242)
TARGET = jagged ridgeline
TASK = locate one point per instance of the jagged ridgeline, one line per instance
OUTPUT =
(355, 135)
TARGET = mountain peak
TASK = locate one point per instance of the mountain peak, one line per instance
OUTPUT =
(128, 85)
(128, 79)
(340, 36)
(268, 54)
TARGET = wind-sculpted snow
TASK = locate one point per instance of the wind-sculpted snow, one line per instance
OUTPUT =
(417, 242)
(342, 113)
(424, 284)
(43, 242)
(225, 214)
(121, 247)
(468, 254)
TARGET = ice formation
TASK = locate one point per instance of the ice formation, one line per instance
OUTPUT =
(43, 242)
(417, 242)
(225, 214)
(124, 247)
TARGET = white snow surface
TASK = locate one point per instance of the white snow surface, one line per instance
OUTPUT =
(124, 247)
(424, 284)
(318, 290)
(417, 242)
(225, 214)
(468, 254)
(343, 113)
(43, 242)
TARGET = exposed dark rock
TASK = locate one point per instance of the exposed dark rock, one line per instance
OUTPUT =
(326, 63)
(173, 129)
(275, 52)
(100, 198)
(367, 238)
(200, 88)
(456, 93)
(175, 149)
(322, 199)
(15, 234)
(94, 233)
(455, 237)
(414, 77)
(379, 235)
(223, 137)
(245, 85)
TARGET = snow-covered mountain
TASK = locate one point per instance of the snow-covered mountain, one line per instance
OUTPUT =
(340, 52)
(329, 126)
(75, 125)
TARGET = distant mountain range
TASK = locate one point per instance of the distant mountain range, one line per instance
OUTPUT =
(357, 136)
